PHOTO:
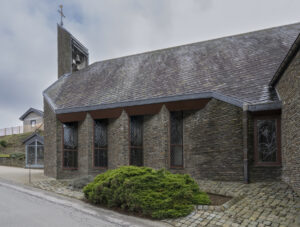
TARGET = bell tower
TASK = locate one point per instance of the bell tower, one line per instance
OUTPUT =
(71, 54)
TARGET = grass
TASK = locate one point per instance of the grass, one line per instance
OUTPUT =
(4, 156)
(17, 139)
(142, 190)
(14, 143)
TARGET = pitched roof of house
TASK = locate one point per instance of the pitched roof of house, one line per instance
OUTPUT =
(30, 110)
(34, 136)
(236, 69)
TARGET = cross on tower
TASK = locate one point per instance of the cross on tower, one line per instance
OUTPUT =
(61, 14)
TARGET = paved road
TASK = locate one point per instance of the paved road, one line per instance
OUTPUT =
(33, 208)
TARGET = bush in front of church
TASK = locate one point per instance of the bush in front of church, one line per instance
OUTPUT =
(157, 194)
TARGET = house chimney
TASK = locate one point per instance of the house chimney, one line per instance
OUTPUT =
(71, 54)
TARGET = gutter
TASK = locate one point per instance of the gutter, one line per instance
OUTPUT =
(264, 106)
(245, 142)
(203, 95)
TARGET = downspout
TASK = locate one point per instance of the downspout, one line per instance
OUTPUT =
(245, 142)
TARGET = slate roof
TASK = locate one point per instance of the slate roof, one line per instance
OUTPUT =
(237, 69)
(287, 60)
(30, 110)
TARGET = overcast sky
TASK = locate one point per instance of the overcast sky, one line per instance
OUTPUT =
(109, 29)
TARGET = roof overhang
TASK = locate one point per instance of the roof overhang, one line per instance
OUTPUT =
(203, 95)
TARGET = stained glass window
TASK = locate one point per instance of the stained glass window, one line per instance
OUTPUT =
(136, 140)
(70, 135)
(70, 158)
(267, 140)
(100, 143)
(176, 152)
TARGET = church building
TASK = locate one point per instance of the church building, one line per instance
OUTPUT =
(226, 109)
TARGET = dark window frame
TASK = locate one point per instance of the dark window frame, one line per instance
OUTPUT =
(129, 137)
(175, 145)
(33, 126)
(100, 148)
(69, 150)
(278, 141)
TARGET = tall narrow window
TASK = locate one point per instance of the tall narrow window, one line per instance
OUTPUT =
(70, 156)
(267, 141)
(136, 140)
(176, 150)
(100, 143)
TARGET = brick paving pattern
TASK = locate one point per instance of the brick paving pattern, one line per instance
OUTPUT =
(257, 204)
(261, 204)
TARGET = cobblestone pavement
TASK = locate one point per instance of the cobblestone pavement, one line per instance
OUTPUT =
(58, 186)
(256, 204)
(259, 204)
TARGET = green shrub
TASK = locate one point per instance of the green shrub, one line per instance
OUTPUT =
(19, 156)
(3, 143)
(158, 194)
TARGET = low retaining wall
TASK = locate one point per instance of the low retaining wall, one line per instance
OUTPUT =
(8, 161)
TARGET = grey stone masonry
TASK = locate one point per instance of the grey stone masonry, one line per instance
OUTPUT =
(213, 143)
(118, 144)
(288, 88)
(50, 141)
(85, 136)
(155, 141)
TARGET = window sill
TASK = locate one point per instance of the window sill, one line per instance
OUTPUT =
(103, 168)
(176, 167)
(65, 168)
(267, 164)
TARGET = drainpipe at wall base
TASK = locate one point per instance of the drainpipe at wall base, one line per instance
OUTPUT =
(245, 142)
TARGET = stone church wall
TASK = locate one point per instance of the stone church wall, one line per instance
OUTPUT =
(50, 141)
(289, 91)
(155, 140)
(118, 144)
(212, 143)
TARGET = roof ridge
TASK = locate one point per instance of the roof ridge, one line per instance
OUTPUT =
(193, 43)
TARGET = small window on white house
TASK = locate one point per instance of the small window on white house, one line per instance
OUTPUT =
(33, 123)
